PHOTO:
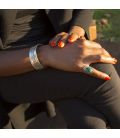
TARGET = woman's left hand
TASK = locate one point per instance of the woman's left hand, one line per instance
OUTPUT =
(62, 38)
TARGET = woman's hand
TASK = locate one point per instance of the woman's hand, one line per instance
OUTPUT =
(62, 38)
(76, 57)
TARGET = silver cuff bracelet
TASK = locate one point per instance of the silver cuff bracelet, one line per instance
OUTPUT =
(34, 59)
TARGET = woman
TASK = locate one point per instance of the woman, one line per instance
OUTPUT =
(64, 74)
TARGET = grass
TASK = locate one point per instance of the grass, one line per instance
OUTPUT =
(111, 31)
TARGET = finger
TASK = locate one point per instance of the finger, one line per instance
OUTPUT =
(62, 42)
(73, 37)
(53, 42)
(95, 45)
(76, 32)
(92, 51)
(100, 58)
(95, 51)
(95, 73)
(105, 52)
(91, 44)
(82, 38)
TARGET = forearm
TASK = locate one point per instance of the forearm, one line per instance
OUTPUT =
(82, 18)
(16, 61)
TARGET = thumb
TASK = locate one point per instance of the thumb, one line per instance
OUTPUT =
(73, 37)
(75, 33)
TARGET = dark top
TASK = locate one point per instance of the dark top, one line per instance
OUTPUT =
(30, 28)
(57, 20)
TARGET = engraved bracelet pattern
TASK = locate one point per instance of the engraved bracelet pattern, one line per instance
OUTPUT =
(34, 58)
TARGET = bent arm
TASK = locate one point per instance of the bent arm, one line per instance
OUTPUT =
(82, 18)
(72, 58)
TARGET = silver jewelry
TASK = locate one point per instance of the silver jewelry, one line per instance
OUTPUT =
(34, 58)
(87, 69)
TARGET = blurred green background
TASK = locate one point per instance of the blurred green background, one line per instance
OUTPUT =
(108, 24)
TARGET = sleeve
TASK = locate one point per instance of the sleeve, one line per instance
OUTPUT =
(82, 18)
(64, 19)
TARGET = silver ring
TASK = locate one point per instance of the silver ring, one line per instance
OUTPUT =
(87, 69)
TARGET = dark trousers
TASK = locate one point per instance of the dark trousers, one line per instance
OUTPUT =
(55, 85)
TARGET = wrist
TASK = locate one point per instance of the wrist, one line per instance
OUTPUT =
(43, 55)
(33, 56)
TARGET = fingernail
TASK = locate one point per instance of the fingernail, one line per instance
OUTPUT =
(107, 78)
(61, 44)
(52, 43)
(115, 60)
(71, 39)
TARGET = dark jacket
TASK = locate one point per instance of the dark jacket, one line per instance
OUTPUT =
(60, 19)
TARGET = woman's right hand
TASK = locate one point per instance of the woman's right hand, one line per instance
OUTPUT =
(74, 57)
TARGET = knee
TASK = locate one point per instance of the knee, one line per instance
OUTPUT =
(108, 69)
(95, 123)
(88, 123)
(4, 118)
(111, 88)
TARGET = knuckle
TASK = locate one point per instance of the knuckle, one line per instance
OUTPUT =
(100, 58)
(77, 65)
(63, 33)
(83, 51)
(84, 42)
(60, 34)
(98, 45)
(104, 51)
(64, 37)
